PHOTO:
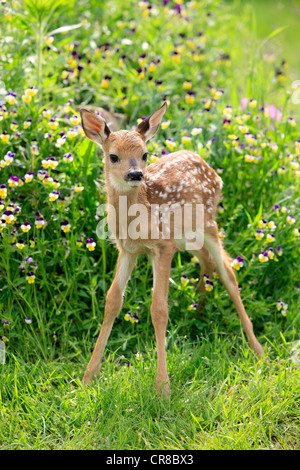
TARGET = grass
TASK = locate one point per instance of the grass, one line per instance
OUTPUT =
(203, 60)
(220, 400)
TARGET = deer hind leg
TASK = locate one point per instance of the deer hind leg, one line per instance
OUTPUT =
(208, 266)
(159, 313)
(113, 305)
(229, 281)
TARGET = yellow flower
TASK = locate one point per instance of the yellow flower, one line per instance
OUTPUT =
(49, 40)
(26, 98)
(187, 85)
(5, 138)
(75, 120)
(104, 83)
(165, 124)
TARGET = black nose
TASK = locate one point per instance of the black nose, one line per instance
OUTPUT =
(135, 176)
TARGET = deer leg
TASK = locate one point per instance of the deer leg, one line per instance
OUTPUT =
(113, 305)
(229, 281)
(159, 314)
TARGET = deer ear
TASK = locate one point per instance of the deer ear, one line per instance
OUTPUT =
(94, 126)
(150, 125)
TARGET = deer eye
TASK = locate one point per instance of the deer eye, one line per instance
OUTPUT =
(144, 157)
(114, 158)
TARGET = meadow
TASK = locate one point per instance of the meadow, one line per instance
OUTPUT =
(233, 99)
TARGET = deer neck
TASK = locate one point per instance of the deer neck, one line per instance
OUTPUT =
(121, 202)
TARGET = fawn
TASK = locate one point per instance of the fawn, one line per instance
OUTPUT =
(174, 180)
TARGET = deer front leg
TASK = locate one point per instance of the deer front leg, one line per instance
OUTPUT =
(113, 305)
(159, 314)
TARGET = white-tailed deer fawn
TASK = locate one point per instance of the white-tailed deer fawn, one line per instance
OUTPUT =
(176, 180)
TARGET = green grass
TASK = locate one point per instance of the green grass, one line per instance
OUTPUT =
(220, 400)
(221, 397)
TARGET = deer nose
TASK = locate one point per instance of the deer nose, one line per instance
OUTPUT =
(135, 176)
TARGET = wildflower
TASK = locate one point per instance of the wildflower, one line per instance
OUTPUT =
(68, 157)
(184, 280)
(196, 131)
(263, 257)
(170, 143)
(2, 205)
(30, 277)
(284, 209)
(272, 225)
(20, 244)
(13, 181)
(78, 188)
(8, 216)
(282, 307)
(47, 113)
(262, 223)
(5, 322)
(54, 195)
(291, 219)
(252, 103)
(276, 209)
(187, 85)
(28, 321)
(192, 307)
(27, 124)
(208, 285)
(165, 124)
(47, 179)
(244, 129)
(134, 319)
(259, 234)
(26, 98)
(49, 40)
(185, 139)
(279, 251)
(5, 137)
(221, 208)
(8, 158)
(291, 121)
(53, 124)
(281, 170)
(190, 97)
(222, 235)
(40, 222)
(238, 263)
(75, 119)
(28, 177)
(249, 158)
(14, 126)
(61, 141)
(11, 97)
(294, 164)
(234, 140)
(26, 227)
(65, 226)
(31, 91)
(127, 316)
(90, 244)
(297, 232)
(270, 237)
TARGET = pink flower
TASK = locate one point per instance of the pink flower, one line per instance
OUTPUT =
(244, 103)
(273, 112)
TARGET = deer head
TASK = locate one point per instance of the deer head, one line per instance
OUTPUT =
(125, 151)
